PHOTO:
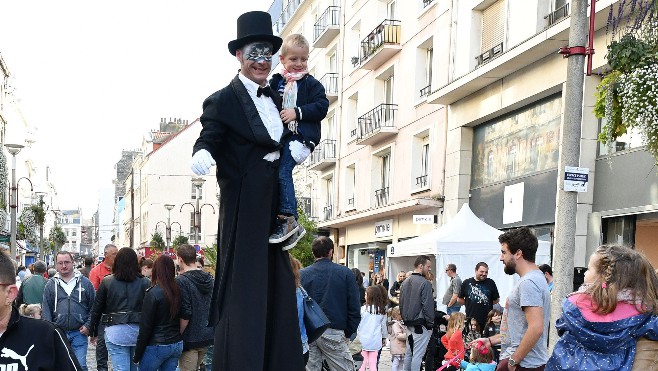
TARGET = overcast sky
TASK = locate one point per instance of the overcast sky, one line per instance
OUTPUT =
(94, 77)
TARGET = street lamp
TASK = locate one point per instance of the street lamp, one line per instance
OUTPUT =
(13, 197)
(41, 195)
(168, 230)
(198, 183)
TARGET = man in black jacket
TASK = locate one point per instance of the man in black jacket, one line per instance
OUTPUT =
(241, 134)
(417, 309)
(196, 290)
(27, 343)
(333, 287)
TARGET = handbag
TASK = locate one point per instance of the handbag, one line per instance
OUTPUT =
(315, 320)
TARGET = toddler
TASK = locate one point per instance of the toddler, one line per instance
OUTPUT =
(30, 310)
(305, 105)
(481, 358)
(397, 335)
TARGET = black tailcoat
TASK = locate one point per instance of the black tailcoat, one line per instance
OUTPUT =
(254, 305)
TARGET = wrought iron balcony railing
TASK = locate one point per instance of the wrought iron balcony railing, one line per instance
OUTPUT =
(328, 212)
(388, 32)
(558, 14)
(426, 3)
(330, 83)
(421, 181)
(325, 150)
(381, 196)
(381, 116)
(425, 92)
(286, 14)
(330, 17)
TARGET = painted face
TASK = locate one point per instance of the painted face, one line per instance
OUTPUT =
(256, 61)
(296, 59)
(258, 52)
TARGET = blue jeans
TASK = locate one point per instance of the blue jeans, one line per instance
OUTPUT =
(163, 357)
(287, 200)
(453, 309)
(121, 356)
(79, 346)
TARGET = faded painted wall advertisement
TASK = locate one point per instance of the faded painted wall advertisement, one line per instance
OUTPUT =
(518, 144)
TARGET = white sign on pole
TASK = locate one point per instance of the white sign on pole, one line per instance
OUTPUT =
(575, 179)
(425, 219)
(384, 228)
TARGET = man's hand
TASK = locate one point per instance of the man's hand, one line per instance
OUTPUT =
(299, 151)
(202, 161)
(84, 330)
(288, 115)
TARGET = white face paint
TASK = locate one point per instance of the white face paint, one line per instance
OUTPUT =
(258, 52)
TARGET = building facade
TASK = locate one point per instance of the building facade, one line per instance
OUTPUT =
(381, 158)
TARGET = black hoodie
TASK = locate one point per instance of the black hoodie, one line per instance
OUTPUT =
(35, 344)
(196, 291)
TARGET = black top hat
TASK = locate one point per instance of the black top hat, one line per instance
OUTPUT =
(254, 26)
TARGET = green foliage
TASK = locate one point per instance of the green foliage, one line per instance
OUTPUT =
(303, 249)
(629, 53)
(57, 239)
(27, 227)
(157, 243)
(608, 106)
(179, 240)
(210, 255)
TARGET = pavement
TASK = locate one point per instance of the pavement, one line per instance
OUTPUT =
(384, 361)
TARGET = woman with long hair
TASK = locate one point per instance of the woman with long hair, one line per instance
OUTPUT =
(159, 343)
(118, 307)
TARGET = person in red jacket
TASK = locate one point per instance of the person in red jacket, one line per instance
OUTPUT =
(453, 341)
(96, 275)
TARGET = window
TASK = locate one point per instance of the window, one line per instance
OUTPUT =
(424, 61)
(353, 116)
(333, 62)
(381, 175)
(75, 233)
(193, 227)
(420, 161)
(388, 90)
(329, 198)
(428, 66)
(391, 8)
(493, 26)
(350, 187)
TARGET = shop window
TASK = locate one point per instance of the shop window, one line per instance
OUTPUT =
(619, 230)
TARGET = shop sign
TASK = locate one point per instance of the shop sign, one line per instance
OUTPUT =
(425, 219)
(575, 179)
(384, 228)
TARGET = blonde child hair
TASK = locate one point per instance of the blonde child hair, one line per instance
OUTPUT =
(457, 321)
(292, 41)
(622, 269)
(481, 353)
(394, 312)
(30, 310)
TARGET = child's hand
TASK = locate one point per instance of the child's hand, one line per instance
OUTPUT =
(288, 115)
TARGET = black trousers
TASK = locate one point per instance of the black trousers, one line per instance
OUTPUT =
(101, 350)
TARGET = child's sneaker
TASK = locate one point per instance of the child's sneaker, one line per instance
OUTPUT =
(287, 227)
(292, 240)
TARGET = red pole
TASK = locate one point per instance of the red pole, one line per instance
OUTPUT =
(592, 14)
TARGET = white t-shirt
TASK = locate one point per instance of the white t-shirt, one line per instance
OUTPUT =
(372, 329)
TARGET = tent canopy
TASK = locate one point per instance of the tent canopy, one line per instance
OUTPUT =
(464, 241)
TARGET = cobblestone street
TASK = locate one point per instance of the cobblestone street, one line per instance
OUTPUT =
(384, 363)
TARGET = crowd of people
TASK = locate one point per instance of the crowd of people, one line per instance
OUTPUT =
(143, 314)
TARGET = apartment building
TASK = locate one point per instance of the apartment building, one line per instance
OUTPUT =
(504, 94)
(382, 155)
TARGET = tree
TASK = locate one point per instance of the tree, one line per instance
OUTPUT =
(179, 240)
(157, 242)
(303, 249)
(57, 239)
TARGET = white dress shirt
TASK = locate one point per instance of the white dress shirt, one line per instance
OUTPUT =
(268, 113)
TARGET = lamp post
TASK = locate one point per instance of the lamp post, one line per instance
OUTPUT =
(198, 183)
(13, 197)
(168, 229)
(40, 195)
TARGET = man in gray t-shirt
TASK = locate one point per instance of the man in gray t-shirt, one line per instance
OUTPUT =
(526, 317)
(452, 293)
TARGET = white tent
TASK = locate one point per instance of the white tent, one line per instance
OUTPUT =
(464, 241)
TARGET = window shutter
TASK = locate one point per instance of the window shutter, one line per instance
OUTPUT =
(493, 25)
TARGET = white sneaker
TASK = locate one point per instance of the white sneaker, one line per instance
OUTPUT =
(292, 240)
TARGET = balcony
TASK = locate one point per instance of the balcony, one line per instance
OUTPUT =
(330, 83)
(427, 3)
(350, 204)
(286, 16)
(327, 27)
(324, 155)
(377, 125)
(557, 15)
(380, 45)
(425, 92)
(514, 58)
(421, 181)
(381, 197)
(327, 212)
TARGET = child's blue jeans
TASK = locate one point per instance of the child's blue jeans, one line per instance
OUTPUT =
(287, 199)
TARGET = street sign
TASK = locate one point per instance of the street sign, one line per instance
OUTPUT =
(576, 179)
(425, 219)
